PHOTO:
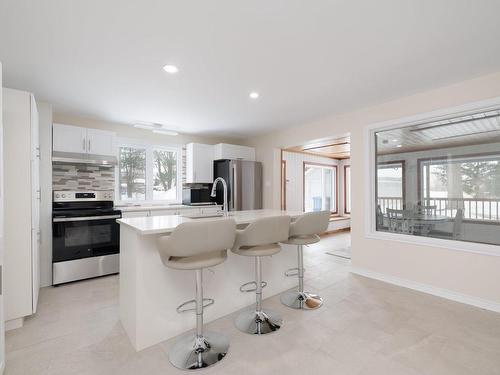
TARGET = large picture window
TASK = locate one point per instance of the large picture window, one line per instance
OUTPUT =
(391, 184)
(149, 173)
(320, 187)
(440, 178)
(469, 182)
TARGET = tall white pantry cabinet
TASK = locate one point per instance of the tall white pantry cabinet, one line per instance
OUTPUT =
(22, 206)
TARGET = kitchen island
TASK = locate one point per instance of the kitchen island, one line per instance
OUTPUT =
(150, 292)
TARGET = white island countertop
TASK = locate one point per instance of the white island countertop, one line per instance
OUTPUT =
(150, 292)
(166, 224)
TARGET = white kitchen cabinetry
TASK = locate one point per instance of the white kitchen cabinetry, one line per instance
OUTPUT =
(233, 152)
(68, 138)
(100, 142)
(199, 163)
(184, 210)
(135, 214)
(75, 139)
(163, 212)
(22, 206)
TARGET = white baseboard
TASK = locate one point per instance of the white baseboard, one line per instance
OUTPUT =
(14, 324)
(425, 288)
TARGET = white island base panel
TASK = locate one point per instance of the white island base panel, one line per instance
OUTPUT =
(150, 292)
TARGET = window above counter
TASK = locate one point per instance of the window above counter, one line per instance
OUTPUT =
(148, 172)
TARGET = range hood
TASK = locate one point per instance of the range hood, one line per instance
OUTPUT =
(84, 158)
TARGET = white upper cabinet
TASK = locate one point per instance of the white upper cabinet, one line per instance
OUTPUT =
(199, 163)
(227, 151)
(100, 142)
(67, 138)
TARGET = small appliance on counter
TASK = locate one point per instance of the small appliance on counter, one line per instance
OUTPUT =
(85, 235)
(197, 196)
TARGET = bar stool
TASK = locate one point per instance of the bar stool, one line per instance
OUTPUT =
(258, 239)
(195, 246)
(304, 231)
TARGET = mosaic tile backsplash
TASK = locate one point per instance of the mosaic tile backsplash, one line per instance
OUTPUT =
(82, 177)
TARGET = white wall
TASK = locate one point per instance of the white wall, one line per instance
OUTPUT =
(462, 273)
(45, 121)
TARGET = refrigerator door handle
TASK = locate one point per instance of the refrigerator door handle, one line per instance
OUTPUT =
(236, 203)
(233, 185)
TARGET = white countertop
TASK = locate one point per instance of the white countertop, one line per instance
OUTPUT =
(166, 224)
(154, 207)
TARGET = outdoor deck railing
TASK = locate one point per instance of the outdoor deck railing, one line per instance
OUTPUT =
(481, 209)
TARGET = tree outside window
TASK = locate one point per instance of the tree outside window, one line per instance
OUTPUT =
(132, 173)
(164, 175)
(148, 173)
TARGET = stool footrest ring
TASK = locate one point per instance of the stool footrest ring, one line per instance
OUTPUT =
(293, 272)
(245, 287)
(183, 307)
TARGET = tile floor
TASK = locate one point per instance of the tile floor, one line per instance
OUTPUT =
(365, 327)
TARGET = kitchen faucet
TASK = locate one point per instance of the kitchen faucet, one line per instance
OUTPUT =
(224, 186)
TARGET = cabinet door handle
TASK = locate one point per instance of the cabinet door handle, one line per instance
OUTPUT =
(89, 144)
(83, 146)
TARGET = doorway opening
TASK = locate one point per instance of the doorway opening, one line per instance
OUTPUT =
(316, 176)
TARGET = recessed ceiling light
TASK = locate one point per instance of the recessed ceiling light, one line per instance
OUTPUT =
(399, 146)
(394, 140)
(172, 69)
(165, 132)
(254, 95)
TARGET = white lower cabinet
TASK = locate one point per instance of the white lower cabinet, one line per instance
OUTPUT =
(163, 212)
(210, 210)
(128, 214)
(178, 211)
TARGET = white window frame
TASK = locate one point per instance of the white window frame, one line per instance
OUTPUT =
(370, 169)
(150, 147)
(335, 184)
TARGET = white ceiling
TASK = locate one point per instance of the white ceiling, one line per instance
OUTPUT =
(307, 59)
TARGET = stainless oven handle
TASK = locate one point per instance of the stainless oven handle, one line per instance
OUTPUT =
(86, 218)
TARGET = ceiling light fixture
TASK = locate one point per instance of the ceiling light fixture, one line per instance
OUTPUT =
(147, 125)
(399, 146)
(165, 132)
(172, 69)
(254, 95)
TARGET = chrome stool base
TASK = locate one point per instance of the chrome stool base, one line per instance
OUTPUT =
(301, 300)
(192, 353)
(259, 322)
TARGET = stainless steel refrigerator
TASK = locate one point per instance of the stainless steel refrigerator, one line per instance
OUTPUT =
(244, 183)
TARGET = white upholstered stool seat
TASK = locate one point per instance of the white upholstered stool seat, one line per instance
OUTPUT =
(197, 261)
(258, 239)
(194, 246)
(304, 231)
(302, 240)
(255, 251)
